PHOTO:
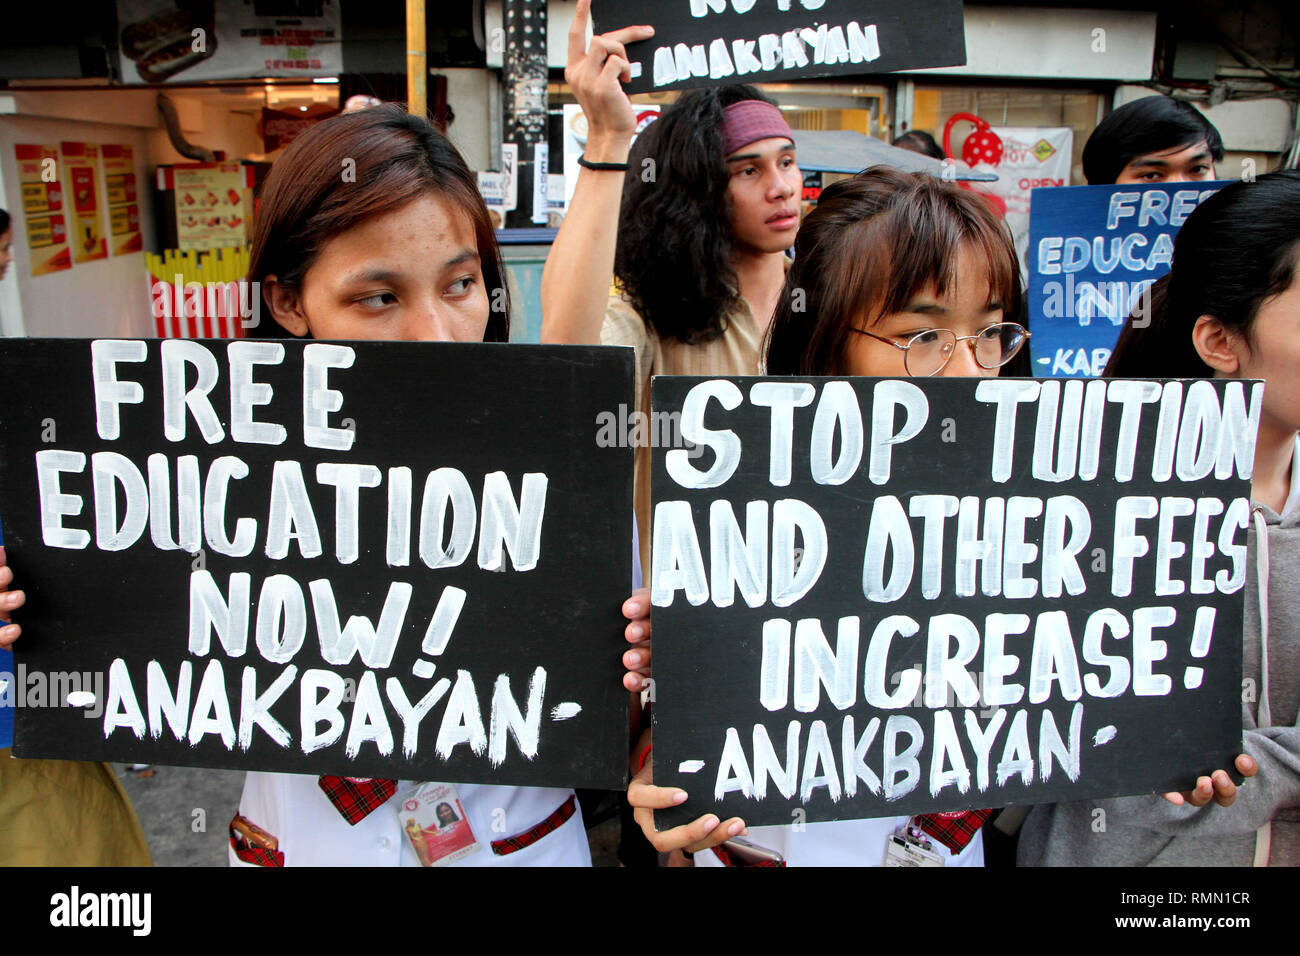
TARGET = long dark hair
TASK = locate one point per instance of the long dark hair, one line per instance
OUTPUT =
(349, 168)
(873, 241)
(1237, 249)
(673, 258)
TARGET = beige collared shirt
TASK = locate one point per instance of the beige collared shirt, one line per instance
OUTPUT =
(736, 352)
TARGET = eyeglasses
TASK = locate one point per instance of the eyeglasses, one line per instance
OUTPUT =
(928, 353)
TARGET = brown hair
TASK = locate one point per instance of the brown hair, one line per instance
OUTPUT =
(349, 168)
(873, 241)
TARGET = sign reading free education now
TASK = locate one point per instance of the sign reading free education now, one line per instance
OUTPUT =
(878, 597)
(717, 42)
(1093, 253)
(362, 558)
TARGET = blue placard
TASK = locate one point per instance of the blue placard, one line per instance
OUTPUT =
(1092, 252)
(8, 692)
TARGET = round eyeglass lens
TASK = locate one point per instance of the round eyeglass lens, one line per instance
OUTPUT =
(998, 344)
(928, 352)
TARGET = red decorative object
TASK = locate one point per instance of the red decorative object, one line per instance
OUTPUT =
(981, 146)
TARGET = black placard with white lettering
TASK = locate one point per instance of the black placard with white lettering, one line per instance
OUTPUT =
(365, 558)
(717, 42)
(876, 597)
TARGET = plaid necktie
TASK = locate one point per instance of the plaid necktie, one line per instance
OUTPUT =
(356, 797)
(955, 829)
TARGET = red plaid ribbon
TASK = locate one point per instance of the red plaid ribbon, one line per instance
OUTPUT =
(254, 845)
(955, 829)
(357, 798)
(728, 860)
(256, 854)
(529, 837)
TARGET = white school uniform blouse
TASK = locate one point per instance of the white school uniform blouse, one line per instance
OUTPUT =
(311, 831)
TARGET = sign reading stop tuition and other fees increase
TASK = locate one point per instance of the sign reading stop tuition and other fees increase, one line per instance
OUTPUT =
(876, 597)
(369, 559)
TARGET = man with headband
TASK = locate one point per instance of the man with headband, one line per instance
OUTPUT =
(692, 224)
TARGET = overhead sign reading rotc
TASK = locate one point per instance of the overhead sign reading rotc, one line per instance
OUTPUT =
(876, 597)
(716, 42)
(372, 559)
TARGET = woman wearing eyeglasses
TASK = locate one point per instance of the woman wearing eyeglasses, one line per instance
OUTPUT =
(895, 274)
(900, 274)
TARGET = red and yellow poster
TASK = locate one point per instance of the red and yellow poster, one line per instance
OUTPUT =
(123, 206)
(47, 230)
(214, 203)
(81, 166)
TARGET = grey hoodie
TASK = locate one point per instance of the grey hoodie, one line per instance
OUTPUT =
(1150, 831)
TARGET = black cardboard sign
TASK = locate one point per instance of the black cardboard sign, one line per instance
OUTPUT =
(364, 558)
(878, 597)
(717, 42)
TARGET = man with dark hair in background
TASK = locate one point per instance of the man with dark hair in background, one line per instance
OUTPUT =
(919, 141)
(1156, 139)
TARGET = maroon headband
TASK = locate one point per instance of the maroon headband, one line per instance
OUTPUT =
(749, 121)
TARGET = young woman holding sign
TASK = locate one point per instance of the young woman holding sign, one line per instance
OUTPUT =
(1230, 308)
(399, 249)
(895, 274)
(901, 275)
(371, 227)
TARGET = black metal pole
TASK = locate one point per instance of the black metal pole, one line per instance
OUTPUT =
(524, 77)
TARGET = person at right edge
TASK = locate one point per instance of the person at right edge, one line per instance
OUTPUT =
(1230, 308)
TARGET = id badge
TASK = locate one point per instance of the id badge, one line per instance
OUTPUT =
(436, 824)
(910, 846)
